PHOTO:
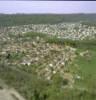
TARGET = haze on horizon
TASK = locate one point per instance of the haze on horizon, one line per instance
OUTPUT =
(58, 7)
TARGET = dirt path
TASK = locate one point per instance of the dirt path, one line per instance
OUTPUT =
(9, 94)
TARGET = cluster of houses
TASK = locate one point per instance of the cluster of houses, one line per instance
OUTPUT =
(74, 31)
(50, 58)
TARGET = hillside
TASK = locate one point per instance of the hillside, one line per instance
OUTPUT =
(24, 19)
(47, 61)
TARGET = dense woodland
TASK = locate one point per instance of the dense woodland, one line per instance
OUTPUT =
(22, 19)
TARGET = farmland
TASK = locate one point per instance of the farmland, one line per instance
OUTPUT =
(49, 57)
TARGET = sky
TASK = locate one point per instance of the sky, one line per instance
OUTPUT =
(58, 7)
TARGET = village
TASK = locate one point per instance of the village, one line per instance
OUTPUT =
(23, 49)
(51, 57)
(73, 31)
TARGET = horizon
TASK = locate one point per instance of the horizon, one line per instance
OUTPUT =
(45, 13)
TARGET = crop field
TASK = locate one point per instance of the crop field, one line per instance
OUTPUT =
(49, 60)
